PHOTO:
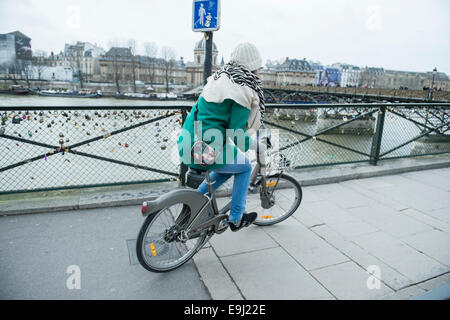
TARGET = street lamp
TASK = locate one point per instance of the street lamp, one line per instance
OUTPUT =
(430, 95)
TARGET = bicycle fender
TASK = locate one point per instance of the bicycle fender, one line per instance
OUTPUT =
(195, 200)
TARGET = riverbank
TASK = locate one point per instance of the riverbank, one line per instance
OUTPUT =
(108, 89)
(12, 100)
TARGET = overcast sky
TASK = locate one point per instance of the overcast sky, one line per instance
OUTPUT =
(395, 34)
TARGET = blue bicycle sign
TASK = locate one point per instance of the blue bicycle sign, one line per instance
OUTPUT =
(205, 15)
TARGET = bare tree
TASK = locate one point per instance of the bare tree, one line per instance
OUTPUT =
(39, 62)
(168, 55)
(22, 69)
(27, 71)
(134, 63)
(151, 49)
(115, 67)
(14, 70)
(364, 78)
(76, 61)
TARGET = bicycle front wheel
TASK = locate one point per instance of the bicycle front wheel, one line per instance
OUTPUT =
(286, 198)
(160, 246)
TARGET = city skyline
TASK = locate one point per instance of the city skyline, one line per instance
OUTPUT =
(370, 34)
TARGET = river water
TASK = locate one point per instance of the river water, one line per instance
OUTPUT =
(34, 100)
(152, 145)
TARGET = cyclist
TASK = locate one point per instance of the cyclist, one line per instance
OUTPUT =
(231, 99)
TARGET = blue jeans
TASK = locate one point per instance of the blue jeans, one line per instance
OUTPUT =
(241, 169)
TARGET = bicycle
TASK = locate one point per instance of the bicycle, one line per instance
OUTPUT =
(179, 223)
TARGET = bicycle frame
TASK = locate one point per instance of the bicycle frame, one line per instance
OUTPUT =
(198, 223)
(200, 218)
(208, 216)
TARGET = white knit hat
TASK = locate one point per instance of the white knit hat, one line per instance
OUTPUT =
(247, 55)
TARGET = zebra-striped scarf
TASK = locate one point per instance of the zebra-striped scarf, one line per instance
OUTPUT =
(242, 76)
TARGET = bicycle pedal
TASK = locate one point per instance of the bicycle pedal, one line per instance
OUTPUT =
(223, 224)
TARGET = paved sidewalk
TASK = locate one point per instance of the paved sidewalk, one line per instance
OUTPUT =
(395, 227)
(38, 250)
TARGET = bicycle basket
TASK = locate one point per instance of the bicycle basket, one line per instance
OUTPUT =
(279, 162)
(286, 156)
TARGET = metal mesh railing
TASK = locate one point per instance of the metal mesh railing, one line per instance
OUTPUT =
(327, 135)
(47, 148)
(350, 133)
(424, 130)
(70, 147)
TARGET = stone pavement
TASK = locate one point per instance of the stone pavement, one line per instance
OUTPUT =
(395, 227)
(382, 237)
(38, 250)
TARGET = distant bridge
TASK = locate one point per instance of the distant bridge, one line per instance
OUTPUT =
(309, 94)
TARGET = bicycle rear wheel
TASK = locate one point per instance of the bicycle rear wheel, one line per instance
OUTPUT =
(286, 196)
(160, 246)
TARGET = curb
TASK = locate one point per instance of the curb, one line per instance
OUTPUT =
(44, 202)
(369, 172)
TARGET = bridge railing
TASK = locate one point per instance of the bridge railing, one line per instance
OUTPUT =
(50, 148)
(47, 148)
(350, 133)
(440, 96)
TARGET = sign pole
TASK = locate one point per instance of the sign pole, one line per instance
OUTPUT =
(207, 69)
(206, 19)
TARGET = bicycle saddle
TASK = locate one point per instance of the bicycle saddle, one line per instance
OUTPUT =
(194, 177)
(197, 171)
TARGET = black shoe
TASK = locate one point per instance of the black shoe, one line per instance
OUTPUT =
(247, 219)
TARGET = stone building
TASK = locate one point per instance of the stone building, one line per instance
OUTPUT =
(13, 46)
(371, 77)
(350, 74)
(119, 65)
(441, 81)
(395, 79)
(155, 71)
(83, 49)
(194, 70)
(22, 45)
(82, 57)
(268, 77)
(7, 52)
(295, 72)
(291, 72)
(116, 64)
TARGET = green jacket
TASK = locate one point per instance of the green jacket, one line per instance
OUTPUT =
(218, 116)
